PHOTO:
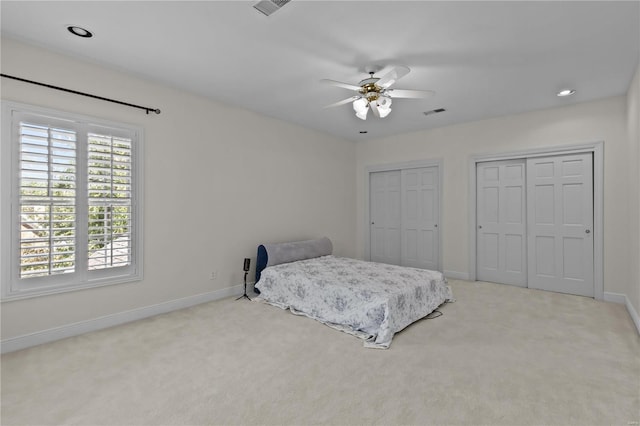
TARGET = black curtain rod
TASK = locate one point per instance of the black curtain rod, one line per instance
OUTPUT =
(147, 109)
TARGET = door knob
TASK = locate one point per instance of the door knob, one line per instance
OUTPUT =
(436, 225)
(373, 223)
(588, 231)
(479, 226)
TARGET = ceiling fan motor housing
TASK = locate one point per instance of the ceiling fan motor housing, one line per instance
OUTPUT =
(372, 96)
(370, 89)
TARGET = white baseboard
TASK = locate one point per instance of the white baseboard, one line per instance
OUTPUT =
(624, 300)
(615, 297)
(21, 342)
(634, 314)
(75, 329)
(454, 275)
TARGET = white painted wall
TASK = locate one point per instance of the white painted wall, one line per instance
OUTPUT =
(603, 120)
(633, 128)
(218, 182)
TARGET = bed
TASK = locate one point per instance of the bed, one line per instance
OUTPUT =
(370, 300)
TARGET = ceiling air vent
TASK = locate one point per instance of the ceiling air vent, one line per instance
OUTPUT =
(434, 111)
(269, 6)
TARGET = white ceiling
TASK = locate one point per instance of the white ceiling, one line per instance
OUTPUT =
(484, 59)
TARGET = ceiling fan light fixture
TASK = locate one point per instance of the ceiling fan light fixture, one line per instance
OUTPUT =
(362, 115)
(375, 94)
(360, 105)
(384, 112)
(384, 102)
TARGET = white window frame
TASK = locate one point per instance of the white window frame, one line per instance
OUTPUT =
(12, 286)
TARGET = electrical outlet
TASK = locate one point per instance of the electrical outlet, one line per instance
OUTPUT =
(213, 275)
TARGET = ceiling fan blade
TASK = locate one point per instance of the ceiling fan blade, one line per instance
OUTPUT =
(414, 94)
(374, 108)
(340, 84)
(392, 76)
(342, 102)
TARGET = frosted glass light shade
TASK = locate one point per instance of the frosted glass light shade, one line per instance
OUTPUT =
(360, 105)
(362, 115)
(384, 112)
(384, 102)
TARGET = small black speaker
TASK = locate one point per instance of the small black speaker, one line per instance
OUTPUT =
(245, 267)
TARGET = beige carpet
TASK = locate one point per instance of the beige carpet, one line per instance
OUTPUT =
(499, 355)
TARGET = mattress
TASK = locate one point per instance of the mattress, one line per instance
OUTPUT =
(370, 300)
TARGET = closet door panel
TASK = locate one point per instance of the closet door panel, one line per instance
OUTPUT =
(501, 220)
(420, 215)
(385, 214)
(560, 205)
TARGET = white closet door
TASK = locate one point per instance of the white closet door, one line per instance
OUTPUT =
(420, 217)
(501, 222)
(385, 214)
(560, 211)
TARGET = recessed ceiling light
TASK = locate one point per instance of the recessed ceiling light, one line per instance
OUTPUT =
(79, 31)
(566, 92)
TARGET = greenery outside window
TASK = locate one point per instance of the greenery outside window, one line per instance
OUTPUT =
(71, 202)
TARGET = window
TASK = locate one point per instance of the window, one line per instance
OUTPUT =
(71, 202)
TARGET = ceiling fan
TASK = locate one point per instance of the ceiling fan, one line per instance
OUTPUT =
(375, 94)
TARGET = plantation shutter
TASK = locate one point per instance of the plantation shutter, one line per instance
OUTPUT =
(109, 185)
(73, 187)
(47, 196)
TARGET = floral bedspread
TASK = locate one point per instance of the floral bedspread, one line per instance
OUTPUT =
(370, 300)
